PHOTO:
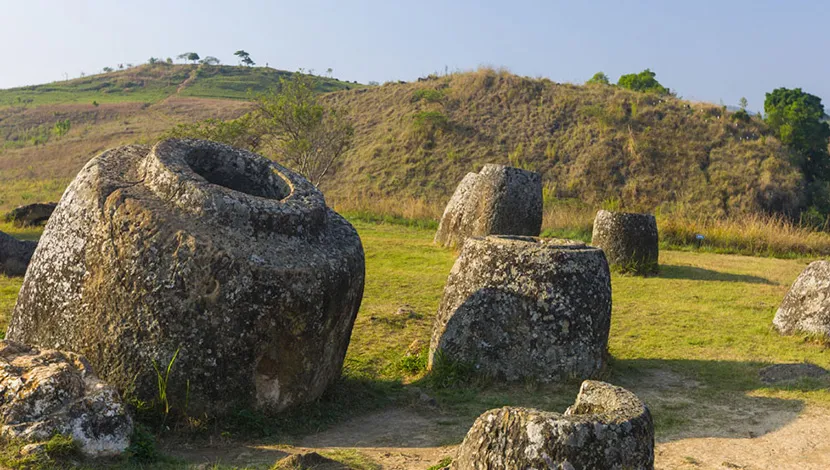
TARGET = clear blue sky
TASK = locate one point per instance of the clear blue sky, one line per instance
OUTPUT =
(704, 50)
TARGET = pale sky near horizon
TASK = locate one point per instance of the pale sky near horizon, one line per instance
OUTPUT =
(704, 50)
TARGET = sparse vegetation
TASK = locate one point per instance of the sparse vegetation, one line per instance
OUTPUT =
(599, 78)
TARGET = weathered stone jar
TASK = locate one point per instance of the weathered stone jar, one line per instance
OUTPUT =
(499, 200)
(629, 241)
(15, 254)
(201, 248)
(607, 427)
(523, 307)
(806, 307)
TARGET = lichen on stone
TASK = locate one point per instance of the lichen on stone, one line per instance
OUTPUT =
(498, 200)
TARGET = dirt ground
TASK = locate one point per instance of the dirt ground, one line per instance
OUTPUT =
(799, 444)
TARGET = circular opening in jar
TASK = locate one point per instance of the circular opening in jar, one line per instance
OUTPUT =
(237, 171)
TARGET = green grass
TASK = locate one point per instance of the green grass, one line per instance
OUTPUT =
(152, 83)
(18, 192)
(689, 341)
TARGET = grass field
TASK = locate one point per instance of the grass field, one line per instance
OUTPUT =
(689, 341)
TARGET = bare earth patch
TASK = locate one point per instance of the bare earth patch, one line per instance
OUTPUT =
(801, 444)
(403, 439)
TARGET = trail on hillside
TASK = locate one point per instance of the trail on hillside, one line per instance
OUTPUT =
(187, 81)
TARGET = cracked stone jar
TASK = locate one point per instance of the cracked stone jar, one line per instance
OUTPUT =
(230, 263)
(607, 427)
(518, 308)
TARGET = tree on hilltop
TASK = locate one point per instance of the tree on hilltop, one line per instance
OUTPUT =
(210, 60)
(644, 81)
(244, 58)
(599, 78)
(191, 56)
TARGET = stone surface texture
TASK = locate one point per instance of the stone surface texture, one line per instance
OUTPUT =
(607, 428)
(498, 200)
(806, 307)
(524, 307)
(31, 214)
(47, 392)
(629, 240)
(15, 254)
(192, 246)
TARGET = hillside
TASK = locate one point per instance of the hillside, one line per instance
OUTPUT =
(591, 143)
(106, 110)
(417, 140)
(150, 83)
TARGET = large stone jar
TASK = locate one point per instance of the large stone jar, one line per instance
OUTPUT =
(607, 427)
(194, 247)
(523, 307)
(806, 307)
(499, 200)
(629, 240)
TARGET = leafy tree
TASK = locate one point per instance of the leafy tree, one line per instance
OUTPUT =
(191, 56)
(107, 69)
(797, 118)
(600, 78)
(644, 81)
(153, 60)
(210, 60)
(169, 60)
(305, 134)
(290, 125)
(244, 57)
(743, 103)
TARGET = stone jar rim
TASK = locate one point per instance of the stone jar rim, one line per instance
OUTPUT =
(527, 242)
(234, 186)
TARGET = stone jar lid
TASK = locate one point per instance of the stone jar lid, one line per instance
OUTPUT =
(235, 186)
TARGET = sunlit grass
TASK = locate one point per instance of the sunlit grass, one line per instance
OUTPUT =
(689, 341)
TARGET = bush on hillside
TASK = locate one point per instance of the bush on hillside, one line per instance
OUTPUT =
(644, 81)
(599, 78)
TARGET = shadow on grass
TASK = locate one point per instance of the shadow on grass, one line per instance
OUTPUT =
(670, 271)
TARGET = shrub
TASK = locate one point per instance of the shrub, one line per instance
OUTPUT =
(644, 81)
(428, 95)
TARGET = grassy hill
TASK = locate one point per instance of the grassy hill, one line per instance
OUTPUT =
(591, 144)
(37, 160)
(151, 83)
(415, 141)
